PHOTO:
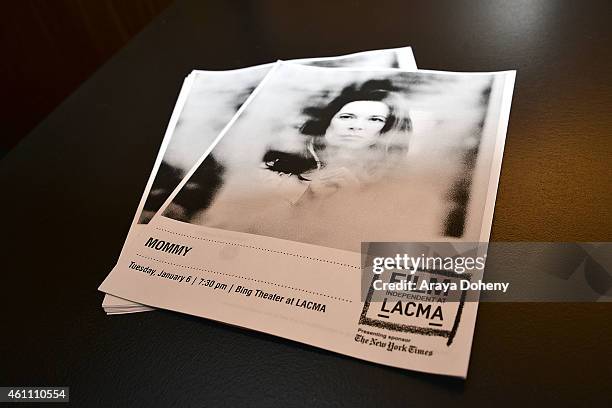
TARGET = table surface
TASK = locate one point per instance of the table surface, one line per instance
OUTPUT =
(71, 187)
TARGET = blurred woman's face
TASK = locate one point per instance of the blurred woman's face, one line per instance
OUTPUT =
(357, 124)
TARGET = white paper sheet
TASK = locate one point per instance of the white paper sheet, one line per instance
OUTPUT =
(292, 267)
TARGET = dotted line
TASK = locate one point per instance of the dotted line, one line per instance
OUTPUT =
(261, 249)
(247, 278)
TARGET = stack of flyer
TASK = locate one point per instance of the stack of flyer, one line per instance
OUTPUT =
(286, 198)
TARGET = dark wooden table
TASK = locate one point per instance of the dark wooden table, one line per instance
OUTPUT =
(71, 187)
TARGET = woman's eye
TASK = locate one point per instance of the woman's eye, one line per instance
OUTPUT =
(382, 120)
(345, 116)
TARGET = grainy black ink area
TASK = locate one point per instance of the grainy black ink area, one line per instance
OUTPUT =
(459, 194)
(197, 194)
(166, 180)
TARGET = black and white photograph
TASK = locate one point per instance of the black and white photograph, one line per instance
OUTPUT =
(212, 100)
(334, 157)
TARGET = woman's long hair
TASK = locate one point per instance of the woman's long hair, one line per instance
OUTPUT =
(394, 137)
(393, 141)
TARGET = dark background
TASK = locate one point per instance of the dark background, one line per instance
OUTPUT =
(71, 187)
(51, 47)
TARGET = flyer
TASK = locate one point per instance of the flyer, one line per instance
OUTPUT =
(206, 103)
(266, 230)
